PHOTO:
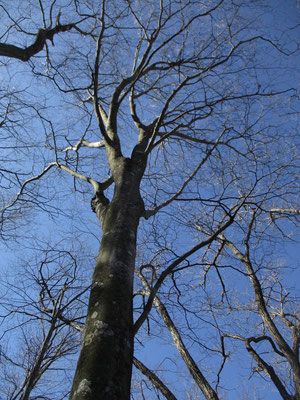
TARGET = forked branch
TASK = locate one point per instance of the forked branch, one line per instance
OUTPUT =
(24, 54)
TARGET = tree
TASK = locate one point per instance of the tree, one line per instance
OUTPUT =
(182, 126)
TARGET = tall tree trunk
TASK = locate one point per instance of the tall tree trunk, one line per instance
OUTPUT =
(105, 362)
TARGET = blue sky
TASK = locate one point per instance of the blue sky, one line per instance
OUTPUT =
(75, 220)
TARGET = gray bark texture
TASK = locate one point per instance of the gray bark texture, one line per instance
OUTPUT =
(105, 362)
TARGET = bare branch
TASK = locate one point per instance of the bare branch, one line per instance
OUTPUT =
(9, 50)
(199, 378)
(98, 186)
(154, 379)
(23, 186)
(171, 267)
(150, 213)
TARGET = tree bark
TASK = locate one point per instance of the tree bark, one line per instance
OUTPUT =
(11, 51)
(154, 379)
(199, 378)
(105, 362)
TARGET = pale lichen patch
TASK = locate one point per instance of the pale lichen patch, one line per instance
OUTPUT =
(94, 315)
(84, 387)
(100, 329)
(100, 325)
(88, 339)
(98, 284)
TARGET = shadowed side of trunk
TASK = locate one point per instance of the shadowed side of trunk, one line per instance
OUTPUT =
(105, 362)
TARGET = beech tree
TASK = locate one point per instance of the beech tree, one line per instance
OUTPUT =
(175, 123)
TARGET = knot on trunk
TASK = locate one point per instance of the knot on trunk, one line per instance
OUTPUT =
(99, 205)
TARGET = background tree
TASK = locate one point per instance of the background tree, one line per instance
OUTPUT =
(183, 127)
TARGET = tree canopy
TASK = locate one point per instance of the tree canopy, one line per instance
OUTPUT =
(165, 132)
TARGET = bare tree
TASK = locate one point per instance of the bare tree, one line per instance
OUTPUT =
(181, 125)
(44, 317)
